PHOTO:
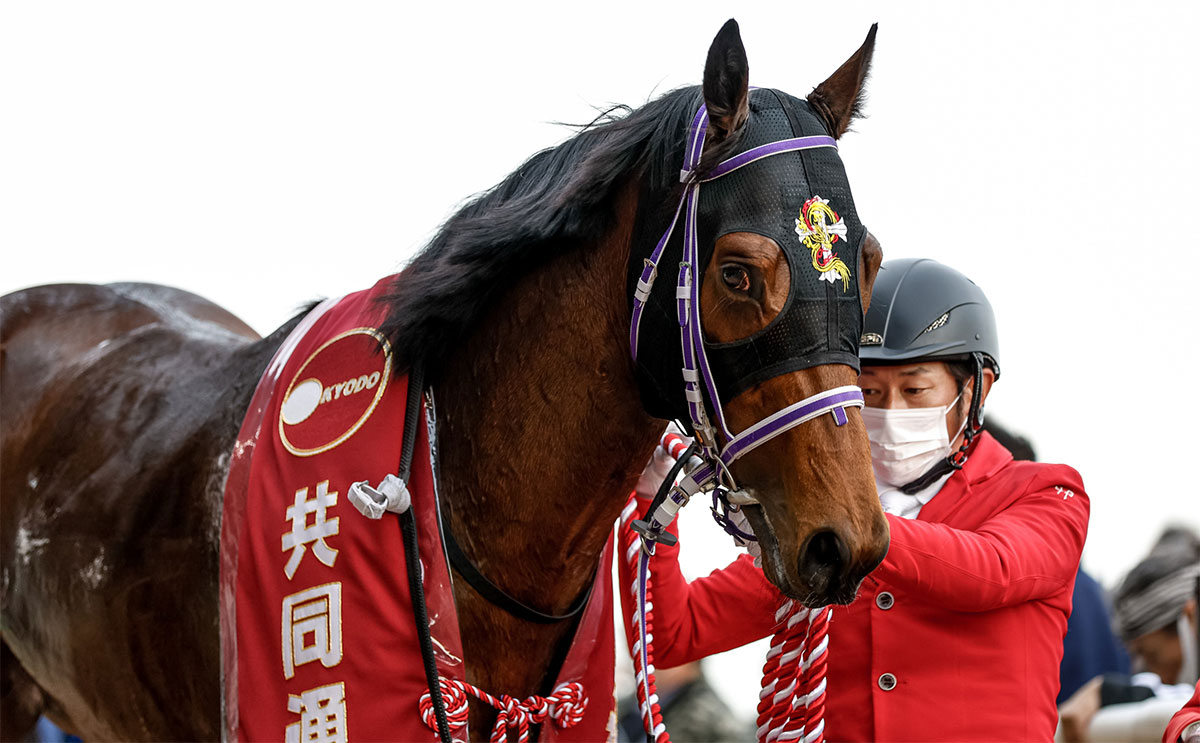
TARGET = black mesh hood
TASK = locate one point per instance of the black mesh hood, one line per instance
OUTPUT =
(822, 319)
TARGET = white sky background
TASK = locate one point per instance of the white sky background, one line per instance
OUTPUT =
(265, 154)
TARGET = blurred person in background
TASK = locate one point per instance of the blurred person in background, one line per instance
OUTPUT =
(692, 710)
(1155, 609)
(958, 634)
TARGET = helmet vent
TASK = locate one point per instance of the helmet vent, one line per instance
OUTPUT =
(937, 323)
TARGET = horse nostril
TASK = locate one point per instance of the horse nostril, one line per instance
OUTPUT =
(823, 560)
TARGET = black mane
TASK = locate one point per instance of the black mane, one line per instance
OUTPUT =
(555, 201)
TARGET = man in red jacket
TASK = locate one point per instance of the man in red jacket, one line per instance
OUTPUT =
(958, 634)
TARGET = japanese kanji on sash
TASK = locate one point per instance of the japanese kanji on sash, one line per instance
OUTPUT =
(318, 639)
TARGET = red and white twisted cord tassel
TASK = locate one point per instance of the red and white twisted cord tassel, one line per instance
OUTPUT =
(791, 702)
(781, 668)
(647, 690)
(792, 698)
(565, 707)
(674, 444)
(631, 547)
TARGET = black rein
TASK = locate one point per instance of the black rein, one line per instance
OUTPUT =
(412, 559)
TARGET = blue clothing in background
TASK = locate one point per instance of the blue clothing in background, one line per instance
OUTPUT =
(1090, 647)
(48, 732)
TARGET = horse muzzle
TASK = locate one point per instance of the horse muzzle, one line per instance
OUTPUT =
(826, 569)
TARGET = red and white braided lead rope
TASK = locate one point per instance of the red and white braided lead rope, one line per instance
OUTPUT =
(565, 707)
(647, 690)
(792, 696)
(631, 547)
(791, 701)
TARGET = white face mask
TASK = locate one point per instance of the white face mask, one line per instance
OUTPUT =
(905, 443)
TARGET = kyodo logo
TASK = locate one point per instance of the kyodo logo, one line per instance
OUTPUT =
(347, 388)
(334, 392)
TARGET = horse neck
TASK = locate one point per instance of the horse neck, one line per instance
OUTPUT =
(541, 439)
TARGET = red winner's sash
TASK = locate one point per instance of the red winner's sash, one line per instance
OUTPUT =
(318, 639)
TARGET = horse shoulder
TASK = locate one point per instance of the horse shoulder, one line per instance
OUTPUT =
(121, 404)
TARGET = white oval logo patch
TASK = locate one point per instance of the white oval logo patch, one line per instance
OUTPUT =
(302, 402)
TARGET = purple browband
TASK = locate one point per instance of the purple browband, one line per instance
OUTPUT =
(766, 150)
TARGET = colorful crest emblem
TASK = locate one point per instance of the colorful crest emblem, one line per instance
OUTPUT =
(820, 228)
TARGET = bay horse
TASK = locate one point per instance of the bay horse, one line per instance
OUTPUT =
(121, 404)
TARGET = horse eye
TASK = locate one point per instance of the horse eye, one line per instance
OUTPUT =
(735, 277)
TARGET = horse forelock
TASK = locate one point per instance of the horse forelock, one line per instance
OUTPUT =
(559, 199)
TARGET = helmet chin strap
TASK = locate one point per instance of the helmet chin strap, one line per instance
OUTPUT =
(971, 428)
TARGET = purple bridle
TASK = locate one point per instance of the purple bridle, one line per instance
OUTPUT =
(697, 376)
(711, 465)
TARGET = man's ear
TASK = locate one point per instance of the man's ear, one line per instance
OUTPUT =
(989, 376)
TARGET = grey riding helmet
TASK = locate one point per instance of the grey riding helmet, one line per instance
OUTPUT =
(921, 309)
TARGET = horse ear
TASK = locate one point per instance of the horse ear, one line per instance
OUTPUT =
(869, 260)
(839, 99)
(727, 82)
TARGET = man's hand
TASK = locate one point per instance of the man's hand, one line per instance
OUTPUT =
(658, 468)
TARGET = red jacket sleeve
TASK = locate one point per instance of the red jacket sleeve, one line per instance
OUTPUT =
(1027, 551)
(729, 608)
(1184, 717)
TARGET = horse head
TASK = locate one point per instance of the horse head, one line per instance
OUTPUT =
(787, 275)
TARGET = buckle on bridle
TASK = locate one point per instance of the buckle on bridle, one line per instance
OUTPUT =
(725, 502)
(649, 534)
